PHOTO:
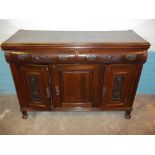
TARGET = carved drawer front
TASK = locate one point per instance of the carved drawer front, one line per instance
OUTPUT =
(117, 85)
(75, 86)
(35, 82)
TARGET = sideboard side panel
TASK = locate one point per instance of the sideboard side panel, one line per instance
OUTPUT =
(132, 93)
(17, 82)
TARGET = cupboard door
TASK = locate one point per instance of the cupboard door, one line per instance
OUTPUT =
(35, 86)
(75, 86)
(118, 85)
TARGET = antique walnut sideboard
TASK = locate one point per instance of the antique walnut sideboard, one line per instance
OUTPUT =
(76, 70)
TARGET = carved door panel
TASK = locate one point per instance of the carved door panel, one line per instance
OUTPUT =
(118, 85)
(36, 85)
(75, 86)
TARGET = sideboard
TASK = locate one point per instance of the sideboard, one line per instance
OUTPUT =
(76, 70)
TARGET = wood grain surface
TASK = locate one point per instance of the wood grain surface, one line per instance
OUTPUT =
(27, 39)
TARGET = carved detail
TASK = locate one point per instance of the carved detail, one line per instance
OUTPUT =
(7, 53)
(117, 87)
(144, 56)
(57, 90)
(131, 57)
(34, 88)
(22, 56)
(37, 58)
(91, 57)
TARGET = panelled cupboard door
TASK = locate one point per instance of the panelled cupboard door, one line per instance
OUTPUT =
(75, 86)
(35, 83)
(117, 85)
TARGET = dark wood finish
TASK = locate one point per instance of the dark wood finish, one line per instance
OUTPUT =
(76, 71)
(117, 85)
(36, 86)
(72, 56)
(27, 39)
(76, 86)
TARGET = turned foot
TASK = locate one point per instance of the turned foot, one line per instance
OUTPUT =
(25, 115)
(128, 114)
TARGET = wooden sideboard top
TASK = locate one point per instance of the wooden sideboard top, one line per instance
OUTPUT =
(31, 39)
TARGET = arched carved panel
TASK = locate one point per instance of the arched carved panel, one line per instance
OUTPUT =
(117, 88)
(33, 83)
(118, 83)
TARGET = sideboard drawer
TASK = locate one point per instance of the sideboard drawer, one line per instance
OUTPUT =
(84, 56)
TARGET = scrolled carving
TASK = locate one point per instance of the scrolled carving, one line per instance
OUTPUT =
(34, 88)
(7, 55)
(144, 56)
(91, 57)
(117, 88)
(131, 57)
(22, 56)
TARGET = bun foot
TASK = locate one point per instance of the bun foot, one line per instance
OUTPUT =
(127, 115)
(25, 115)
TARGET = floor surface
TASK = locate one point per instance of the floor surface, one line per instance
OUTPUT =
(79, 123)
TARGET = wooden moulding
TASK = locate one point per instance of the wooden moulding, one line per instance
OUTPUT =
(78, 56)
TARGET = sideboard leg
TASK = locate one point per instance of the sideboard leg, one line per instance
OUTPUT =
(128, 114)
(25, 114)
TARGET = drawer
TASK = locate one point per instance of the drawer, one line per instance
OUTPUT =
(67, 56)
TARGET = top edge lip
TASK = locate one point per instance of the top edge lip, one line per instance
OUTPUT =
(92, 45)
(30, 45)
